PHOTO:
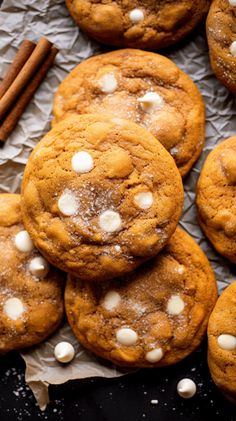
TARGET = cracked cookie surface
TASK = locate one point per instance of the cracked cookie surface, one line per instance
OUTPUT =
(222, 342)
(154, 316)
(100, 195)
(145, 88)
(146, 24)
(31, 291)
(221, 36)
(216, 198)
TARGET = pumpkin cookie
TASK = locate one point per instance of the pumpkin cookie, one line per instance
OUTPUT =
(222, 343)
(31, 292)
(216, 198)
(155, 316)
(141, 24)
(221, 37)
(146, 88)
(100, 195)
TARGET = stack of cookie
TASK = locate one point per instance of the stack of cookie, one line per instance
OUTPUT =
(101, 198)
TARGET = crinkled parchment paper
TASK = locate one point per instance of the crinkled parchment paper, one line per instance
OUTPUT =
(36, 18)
(42, 369)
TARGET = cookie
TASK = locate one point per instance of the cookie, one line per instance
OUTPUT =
(216, 198)
(31, 291)
(155, 316)
(100, 195)
(222, 343)
(221, 37)
(146, 88)
(148, 25)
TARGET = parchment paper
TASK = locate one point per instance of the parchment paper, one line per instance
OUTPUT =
(42, 369)
(36, 18)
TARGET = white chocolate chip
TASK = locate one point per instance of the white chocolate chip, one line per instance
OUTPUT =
(186, 388)
(227, 342)
(68, 204)
(154, 356)
(154, 402)
(39, 267)
(175, 305)
(14, 308)
(118, 121)
(232, 48)
(111, 300)
(232, 2)
(144, 200)
(117, 247)
(151, 101)
(110, 221)
(23, 242)
(126, 336)
(173, 151)
(82, 162)
(64, 352)
(108, 83)
(136, 15)
(180, 269)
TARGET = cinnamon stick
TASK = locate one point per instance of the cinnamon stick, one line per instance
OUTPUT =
(12, 118)
(24, 52)
(25, 75)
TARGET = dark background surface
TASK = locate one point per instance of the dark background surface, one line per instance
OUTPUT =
(124, 399)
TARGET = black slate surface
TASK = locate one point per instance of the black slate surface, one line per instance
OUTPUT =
(123, 399)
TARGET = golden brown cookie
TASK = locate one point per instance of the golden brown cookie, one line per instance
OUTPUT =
(221, 37)
(216, 198)
(100, 195)
(222, 343)
(31, 292)
(147, 24)
(155, 316)
(146, 88)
